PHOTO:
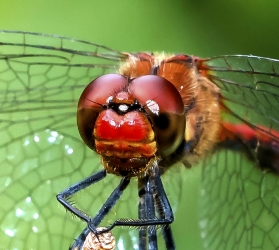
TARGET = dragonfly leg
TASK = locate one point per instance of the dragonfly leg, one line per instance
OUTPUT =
(150, 188)
(65, 194)
(92, 223)
(147, 212)
(142, 215)
(168, 214)
(164, 210)
(107, 206)
(152, 197)
(79, 241)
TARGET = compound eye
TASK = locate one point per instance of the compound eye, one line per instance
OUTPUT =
(99, 90)
(92, 99)
(165, 109)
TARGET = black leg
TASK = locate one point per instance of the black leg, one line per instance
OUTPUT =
(107, 206)
(150, 214)
(152, 195)
(65, 194)
(142, 214)
(147, 212)
(164, 210)
(77, 245)
(167, 219)
(168, 237)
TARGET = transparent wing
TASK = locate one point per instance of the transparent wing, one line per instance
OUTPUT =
(41, 79)
(250, 87)
(239, 202)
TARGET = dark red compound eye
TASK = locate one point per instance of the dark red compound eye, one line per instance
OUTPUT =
(165, 109)
(91, 102)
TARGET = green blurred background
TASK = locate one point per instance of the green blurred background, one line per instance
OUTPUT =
(202, 28)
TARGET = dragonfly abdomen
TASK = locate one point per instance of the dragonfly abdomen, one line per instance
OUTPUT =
(255, 142)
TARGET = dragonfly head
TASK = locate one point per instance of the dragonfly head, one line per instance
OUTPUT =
(130, 122)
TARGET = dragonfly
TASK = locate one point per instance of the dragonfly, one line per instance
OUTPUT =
(220, 111)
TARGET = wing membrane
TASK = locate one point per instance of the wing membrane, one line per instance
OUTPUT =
(239, 204)
(41, 79)
(250, 87)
